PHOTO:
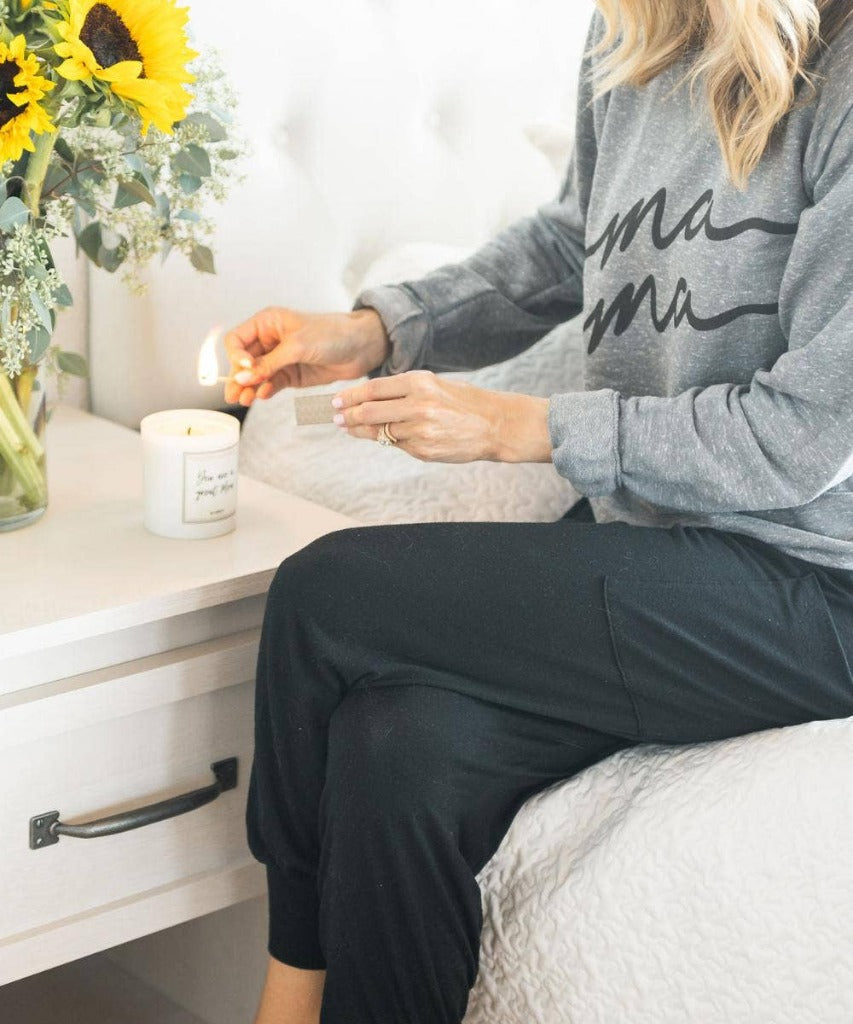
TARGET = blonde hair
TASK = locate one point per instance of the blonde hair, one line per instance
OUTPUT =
(754, 60)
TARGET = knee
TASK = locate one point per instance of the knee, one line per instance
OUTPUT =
(334, 564)
(310, 581)
(384, 755)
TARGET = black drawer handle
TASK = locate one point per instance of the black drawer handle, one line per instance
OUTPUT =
(45, 829)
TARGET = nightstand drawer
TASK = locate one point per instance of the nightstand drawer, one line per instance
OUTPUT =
(109, 742)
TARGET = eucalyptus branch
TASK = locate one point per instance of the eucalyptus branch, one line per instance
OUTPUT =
(75, 171)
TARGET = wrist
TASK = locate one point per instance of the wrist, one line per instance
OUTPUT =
(522, 433)
(373, 340)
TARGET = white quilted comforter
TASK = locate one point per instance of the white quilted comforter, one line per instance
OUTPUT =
(710, 884)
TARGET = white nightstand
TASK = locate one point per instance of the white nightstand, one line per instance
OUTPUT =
(126, 670)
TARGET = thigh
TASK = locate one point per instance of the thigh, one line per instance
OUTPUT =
(427, 754)
(676, 634)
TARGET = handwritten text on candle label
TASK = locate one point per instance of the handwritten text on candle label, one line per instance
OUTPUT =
(210, 485)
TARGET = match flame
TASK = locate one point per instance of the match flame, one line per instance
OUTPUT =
(208, 364)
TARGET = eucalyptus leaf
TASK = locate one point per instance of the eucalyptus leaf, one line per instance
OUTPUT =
(141, 170)
(73, 363)
(192, 160)
(111, 259)
(131, 192)
(189, 184)
(89, 240)
(63, 296)
(202, 259)
(63, 150)
(228, 154)
(190, 215)
(219, 113)
(214, 130)
(39, 340)
(42, 312)
(82, 199)
(163, 207)
(12, 213)
(58, 180)
(91, 174)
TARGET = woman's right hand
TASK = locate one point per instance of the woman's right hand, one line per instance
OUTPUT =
(280, 348)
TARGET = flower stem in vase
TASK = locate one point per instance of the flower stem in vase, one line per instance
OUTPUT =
(24, 389)
(20, 449)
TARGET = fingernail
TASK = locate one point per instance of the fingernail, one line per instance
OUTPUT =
(243, 377)
(338, 402)
(338, 418)
(246, 361)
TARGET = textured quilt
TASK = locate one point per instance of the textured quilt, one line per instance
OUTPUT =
(705, 884)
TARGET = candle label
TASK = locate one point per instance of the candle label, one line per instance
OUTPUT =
(210, 485)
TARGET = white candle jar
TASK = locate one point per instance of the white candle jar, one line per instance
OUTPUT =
(190, 461)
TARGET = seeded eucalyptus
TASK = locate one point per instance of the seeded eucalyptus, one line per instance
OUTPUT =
(115, 132)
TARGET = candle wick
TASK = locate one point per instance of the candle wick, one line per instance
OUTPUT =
(189, 431)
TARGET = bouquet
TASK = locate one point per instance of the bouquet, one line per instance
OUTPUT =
(111, 130)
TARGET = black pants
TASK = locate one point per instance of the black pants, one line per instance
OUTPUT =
(416, 684)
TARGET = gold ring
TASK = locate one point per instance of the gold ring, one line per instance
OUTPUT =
(385, 437)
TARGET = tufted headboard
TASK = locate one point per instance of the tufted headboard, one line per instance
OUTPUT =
(373, 124)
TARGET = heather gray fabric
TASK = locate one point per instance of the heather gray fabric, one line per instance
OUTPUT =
(718, 324)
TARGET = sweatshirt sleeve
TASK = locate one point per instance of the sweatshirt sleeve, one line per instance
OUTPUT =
(512, 291)
(780, 440)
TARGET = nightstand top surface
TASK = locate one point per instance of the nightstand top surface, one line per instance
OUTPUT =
(89, 566)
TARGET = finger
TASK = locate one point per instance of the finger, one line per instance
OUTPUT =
(393, 410)
(242, 345)
(372, 434)
(377, 390)
(261, 333)
(247, 396)
(232, 392)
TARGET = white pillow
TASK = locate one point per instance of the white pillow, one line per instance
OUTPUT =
(378, 485)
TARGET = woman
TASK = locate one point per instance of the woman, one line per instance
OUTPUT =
(416, 684)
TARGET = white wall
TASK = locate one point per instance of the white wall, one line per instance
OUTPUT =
(373, 123)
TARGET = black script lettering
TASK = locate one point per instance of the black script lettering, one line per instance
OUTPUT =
(626, 304)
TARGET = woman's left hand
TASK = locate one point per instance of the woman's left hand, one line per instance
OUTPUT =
(438, 420)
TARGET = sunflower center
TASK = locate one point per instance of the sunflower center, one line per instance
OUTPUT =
(8, 110)
(108, 37)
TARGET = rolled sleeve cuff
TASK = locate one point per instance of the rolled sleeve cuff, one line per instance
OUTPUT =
(584, 429)
(408, 325)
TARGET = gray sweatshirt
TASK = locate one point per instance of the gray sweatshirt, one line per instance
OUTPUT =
(718, 324)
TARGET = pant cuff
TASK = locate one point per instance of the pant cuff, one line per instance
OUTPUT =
(293, 919)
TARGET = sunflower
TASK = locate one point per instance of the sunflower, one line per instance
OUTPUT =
(138, 48)
(21, 90)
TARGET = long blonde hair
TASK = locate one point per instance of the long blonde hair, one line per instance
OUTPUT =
(754, 60)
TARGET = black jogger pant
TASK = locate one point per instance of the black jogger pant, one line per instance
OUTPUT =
(416, 684)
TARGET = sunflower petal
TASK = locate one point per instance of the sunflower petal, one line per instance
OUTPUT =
(124, 71)
(73, 70)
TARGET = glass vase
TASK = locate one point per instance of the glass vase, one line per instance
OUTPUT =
(23, 470)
